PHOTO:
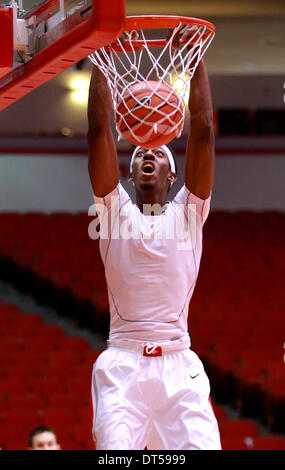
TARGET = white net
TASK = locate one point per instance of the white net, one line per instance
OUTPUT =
(135, 58)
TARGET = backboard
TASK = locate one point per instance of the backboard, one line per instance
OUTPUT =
(50, 37)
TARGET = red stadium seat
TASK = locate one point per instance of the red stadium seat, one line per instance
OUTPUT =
(83, 371)
(274, 370)
(14, 437)
(235, 443)
(48, 386)
(250, 373)
(42, 344)
(275, 387)
(28, 418)
(9, 310)
(249, 356)
(59, 220)
(74, 344)
(91, 355)
(68, 401)
(62, 278)
(82, 435)
(269, 443)
(23, 372)
(14, 385)
(79, 386)
(14, 444)
(35, 218)
(58, 418)
(13, 345)
(85, 415)
(29, 358)
(220, 413)
(58, 371)
(226, 359)
(69, 444)
(24, 258)
(238, 428)
(27, 401)
(53, 331)
(227, 341)
(4, 404)
(25, 325)
(64, 358)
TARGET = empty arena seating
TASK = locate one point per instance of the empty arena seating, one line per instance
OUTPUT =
(237, 311)
(53, 257)
(51, 386)
(45, 379)
(235, 316)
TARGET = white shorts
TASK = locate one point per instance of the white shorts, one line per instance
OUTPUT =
(159, 402)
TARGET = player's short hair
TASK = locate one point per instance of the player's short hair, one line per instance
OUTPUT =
(39, 430)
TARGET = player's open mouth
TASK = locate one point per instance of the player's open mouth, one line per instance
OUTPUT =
(148, 168)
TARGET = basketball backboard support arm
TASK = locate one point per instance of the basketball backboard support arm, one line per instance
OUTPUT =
(76, 36)
(6, 38)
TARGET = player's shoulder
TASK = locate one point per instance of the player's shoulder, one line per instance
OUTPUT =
(191, 205)
(185, 196)
(118, 190)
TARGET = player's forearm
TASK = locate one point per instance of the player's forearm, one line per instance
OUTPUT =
(102, 154)
(99, 103)
(200, 102)
(200, 155)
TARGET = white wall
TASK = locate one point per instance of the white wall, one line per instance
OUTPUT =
(50, 183)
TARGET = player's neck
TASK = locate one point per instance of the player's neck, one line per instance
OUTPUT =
(145, 200)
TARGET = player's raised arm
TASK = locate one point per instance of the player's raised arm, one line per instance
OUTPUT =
(102, 154)
(200, 154)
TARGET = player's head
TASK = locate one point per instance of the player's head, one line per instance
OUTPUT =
(153, 168)
(43, 438)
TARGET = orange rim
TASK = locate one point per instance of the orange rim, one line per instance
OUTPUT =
(164, 21)
(158, 22)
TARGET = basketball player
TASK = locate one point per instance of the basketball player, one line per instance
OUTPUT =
(148, 387)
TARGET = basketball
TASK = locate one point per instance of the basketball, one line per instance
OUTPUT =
(150, 114)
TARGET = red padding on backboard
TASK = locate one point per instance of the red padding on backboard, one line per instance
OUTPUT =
(102, 27)
(6, 39)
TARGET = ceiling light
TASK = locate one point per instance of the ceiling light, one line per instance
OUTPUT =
(78, 84)
(181, 84)
(79, 96)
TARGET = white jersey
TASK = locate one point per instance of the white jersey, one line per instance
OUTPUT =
(151, 264)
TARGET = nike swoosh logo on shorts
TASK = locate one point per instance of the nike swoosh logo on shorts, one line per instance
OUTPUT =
(194, 376)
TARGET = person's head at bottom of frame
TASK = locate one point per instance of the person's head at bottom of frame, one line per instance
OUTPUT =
(43, 438)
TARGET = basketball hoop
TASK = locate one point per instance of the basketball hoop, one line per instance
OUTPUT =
(141, 56)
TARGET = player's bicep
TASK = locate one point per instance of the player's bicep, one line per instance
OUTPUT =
(102, 161)
(200, 163)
